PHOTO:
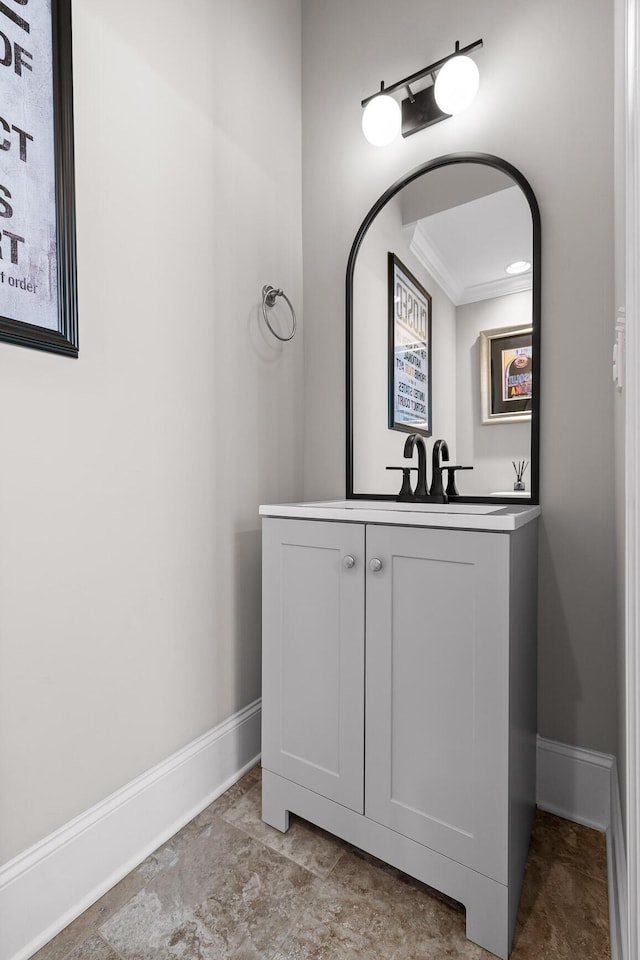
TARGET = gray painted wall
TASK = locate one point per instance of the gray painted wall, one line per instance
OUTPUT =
(492, 448)
(131, 478)
(536, 64)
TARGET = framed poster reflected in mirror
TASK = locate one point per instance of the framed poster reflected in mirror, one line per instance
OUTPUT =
(409, 351)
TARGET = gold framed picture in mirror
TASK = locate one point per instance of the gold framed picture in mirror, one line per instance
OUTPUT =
(506, 374)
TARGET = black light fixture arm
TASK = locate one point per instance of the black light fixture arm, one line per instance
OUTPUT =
(431, 69)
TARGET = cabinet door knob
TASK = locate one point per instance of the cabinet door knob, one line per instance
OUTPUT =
(375, 565)
(348, 562)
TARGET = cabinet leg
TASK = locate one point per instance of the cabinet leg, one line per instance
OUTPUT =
(273, 810)
(488, 921)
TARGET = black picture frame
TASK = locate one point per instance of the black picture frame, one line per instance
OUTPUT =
(17, 33)
(409, 339)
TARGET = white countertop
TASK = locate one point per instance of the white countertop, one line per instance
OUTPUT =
(460, 516)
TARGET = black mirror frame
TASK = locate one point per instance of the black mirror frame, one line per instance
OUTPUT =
(497, 163)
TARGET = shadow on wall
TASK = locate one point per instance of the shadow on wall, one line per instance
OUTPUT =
(560, 661)
(247, 616)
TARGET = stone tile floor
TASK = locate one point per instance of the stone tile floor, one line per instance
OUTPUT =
(228, 886)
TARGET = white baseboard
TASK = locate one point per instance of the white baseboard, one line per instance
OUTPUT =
(48, 886)
(574, 783)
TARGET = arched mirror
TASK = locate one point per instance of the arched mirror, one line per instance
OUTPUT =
(443, 329)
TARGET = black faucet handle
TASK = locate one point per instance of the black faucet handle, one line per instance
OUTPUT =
(452, 490)
(406, 493)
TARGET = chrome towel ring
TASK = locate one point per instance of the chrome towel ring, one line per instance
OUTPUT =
(269, 297)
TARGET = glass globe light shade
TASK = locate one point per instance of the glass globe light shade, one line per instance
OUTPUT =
(381, 120)
(456, 84)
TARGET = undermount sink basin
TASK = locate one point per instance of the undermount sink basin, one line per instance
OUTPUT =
(466, 508)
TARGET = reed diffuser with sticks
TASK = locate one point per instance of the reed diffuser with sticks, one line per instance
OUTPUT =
(519, 468)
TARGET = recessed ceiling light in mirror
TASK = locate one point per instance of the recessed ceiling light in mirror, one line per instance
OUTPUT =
(518, 266)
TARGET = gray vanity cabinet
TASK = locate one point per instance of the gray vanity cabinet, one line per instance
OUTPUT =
(399, 700)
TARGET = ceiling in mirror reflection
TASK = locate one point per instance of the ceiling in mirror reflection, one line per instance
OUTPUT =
(468, 247)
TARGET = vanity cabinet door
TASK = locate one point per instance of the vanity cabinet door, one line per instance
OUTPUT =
(437, 691)
(313, 656)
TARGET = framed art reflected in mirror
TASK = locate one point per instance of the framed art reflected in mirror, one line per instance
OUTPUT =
(506, 374)
(409, 351)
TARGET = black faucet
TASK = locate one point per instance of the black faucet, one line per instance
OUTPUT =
(413, 440)
(440, 448)
(421, 493)
(439, 463)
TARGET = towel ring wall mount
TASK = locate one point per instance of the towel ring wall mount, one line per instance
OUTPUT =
(269, 296)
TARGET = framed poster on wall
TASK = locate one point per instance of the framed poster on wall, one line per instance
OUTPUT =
(409, 351)
(38, 302)
(506, 374)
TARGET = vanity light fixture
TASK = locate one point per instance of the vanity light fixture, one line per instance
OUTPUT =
(518, 266)
(454, 84)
